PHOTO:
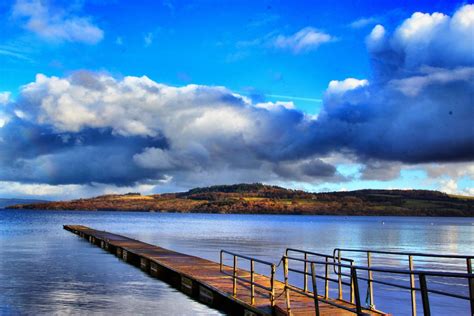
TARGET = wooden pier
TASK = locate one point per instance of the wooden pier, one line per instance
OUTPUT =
(219, 286)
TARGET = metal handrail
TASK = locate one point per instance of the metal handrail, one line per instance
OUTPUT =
(408, 253)
(327, 257)
(252, 282)
(325, 299)
(421, 277)
(313, 253)
(411, 256)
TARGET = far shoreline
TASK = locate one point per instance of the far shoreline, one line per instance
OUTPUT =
(262, 199)
(250, 214)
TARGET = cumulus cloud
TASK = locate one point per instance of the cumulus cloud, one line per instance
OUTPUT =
(451, 170)
(307, 170)
(128, 130)
(376, 38)
(13, 189)
(413, 85)
(451, 186)
(304, 40)
(380, 170)
(423, 38)
(289, 105)
(54, 24)
(418, 106)
(337, 87)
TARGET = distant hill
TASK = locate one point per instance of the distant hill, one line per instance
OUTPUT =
(258, 198)
(7, 202)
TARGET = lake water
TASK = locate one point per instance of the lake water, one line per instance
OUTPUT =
(45, 269)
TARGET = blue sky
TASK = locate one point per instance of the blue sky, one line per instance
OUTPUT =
(275, 62)
(210, 43)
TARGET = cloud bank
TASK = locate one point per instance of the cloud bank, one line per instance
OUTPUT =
(92, 128)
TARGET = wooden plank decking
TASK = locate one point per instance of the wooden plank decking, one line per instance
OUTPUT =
(203, 280)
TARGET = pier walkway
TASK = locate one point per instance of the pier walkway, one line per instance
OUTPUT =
(238, 291)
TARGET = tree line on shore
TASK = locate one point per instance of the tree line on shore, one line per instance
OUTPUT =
(258, 198)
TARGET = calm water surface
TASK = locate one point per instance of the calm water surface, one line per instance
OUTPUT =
(45, 270)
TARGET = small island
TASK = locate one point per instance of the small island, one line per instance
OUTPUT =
(258, 198)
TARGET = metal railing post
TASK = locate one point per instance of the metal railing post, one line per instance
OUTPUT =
(287, 291)
(412, 286)
(220, 266)
(272, 286)
(234, 287)
(305, 285)
(471, 284)
(326, 281)
(315, 289)
(340, 274)
(370, 277)
(352, 286)
(424, 295)
(252, 284)
(356, 291)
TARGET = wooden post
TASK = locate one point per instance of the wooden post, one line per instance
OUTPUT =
(370, 277)
(471, 284)
(234, 287)
(315, 289)
(272, 285)
(355, 282)
(287, 290)
(252, 284)
(412, 286)
(424, 295)
(326, 281)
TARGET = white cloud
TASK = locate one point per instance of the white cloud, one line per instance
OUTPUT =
(449, 186)
(148, 39)
(137, 106)
(4, 100)
(155, 158)
(423, 39)
(411, 86)
(179, 131)
(306, 39)
(276, 105)
(375, 40)
(337, 87)
(14, 189)
(4, 97)
(3, 120)
(451, 170)
(381, 170)
(363, 22)
(421, 27)
(56, 25)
